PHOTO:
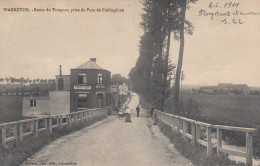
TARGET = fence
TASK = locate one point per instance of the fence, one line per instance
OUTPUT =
(192, 130)
(35, 125)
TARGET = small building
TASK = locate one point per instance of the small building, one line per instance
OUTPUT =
(36, 106)
(207, 89)
(59, 102)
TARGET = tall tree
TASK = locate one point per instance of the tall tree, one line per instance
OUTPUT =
(183, 4)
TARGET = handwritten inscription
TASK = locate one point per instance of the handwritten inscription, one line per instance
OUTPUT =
(228, 12)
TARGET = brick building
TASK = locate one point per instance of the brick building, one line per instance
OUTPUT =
(89, 86)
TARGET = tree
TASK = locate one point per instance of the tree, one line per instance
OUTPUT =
(117, 79)
(183, 5)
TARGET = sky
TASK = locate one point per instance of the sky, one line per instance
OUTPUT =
(34, 44)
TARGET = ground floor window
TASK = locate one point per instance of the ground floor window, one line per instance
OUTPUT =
(82, 101)
(33, 103)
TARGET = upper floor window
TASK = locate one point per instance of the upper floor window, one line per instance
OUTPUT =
(33, 103)
(99, 78)
(82, 78)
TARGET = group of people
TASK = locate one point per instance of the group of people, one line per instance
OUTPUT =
(128, 111)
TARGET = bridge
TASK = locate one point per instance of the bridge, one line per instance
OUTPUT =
(112, 141)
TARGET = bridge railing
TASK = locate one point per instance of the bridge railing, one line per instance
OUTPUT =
(18, 130)
(191, 129)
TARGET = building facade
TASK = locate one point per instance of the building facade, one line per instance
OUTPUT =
(89, 86)
(123, 89)
(36, 106)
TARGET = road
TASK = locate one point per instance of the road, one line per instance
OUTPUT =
(113, 142)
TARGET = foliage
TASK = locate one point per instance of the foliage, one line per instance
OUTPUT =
(36, 87)
(153, 72)
(189, 109)
(117, 79)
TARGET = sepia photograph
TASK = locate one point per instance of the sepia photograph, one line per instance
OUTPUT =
(129, 83)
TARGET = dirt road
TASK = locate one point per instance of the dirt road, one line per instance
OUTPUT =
(113, 142)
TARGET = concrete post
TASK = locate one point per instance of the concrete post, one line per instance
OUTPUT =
(4, 136)
(15, 132)
(198, 128)
(219, 140)
(21, 132)
(50, 125)
(36, 128)
(249, 149)
(209, 146)
(193, 132)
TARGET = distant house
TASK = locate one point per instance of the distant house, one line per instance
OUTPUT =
(226, 88)
(233, 88)
(207, 89)
(123, 89)
(116, 91)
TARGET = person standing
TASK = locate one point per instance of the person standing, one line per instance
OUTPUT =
(138, 110)
(127, 114)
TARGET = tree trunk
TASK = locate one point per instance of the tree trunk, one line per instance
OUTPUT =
(166, 60)
(181, 51)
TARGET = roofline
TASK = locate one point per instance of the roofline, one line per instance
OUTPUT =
(90, 69)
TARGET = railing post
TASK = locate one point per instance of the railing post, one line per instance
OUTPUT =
(21, 132)
(184, 129)
(177, 121)
(219, 140)
(69, 120)
(76, 118)
(46, 124)
(193, 132)
(172, 124)
(61, 118)
(50, 125)
(36, 128)
(4, 136)
(32, 127)
(58, 122)
(249, 149)
(15, 132)
(209, 145)
(198, 128)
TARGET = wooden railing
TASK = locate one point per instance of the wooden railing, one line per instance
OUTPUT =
(192, 130)
(34, 126)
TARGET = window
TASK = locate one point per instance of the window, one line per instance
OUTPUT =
(33, 103)
(99, 78)
(82, 101)
(82, 78)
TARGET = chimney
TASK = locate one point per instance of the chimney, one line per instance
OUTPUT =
(60, 72)
(93, 60)
(60, 81)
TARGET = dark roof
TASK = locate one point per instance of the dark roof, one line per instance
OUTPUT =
(89, 65)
